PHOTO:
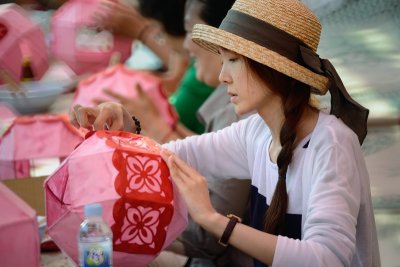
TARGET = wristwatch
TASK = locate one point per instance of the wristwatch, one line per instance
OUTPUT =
(233, 220)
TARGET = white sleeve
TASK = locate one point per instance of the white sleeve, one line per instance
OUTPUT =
(219, 154)
(329, 230)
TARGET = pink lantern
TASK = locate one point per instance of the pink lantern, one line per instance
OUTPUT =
(19, 231)
(7, 112)
(35, 137)
(123, 81)
(21, 38)
(125, 173)
(79, 42)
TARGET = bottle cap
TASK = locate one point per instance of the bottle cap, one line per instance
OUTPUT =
(94, 209)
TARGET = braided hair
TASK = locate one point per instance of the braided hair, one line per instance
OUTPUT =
(295, 97)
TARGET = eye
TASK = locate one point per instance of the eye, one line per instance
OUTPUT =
(234, 59)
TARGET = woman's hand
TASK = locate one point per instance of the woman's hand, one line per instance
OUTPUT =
(143, 108)
(108, 115)
(120, 19)
(192, 186)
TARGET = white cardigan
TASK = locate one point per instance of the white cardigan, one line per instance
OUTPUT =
(338, 226)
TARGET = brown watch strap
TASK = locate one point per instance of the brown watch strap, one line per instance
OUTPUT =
(233, 220)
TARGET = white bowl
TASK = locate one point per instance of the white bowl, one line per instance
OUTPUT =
(39, 95)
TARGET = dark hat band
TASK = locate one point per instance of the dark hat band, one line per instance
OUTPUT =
(264, 34)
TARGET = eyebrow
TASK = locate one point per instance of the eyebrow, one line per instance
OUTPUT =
(221, 48)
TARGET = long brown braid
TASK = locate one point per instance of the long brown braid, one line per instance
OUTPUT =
(295, 98)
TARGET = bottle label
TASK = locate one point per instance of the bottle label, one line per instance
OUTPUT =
(96, 254)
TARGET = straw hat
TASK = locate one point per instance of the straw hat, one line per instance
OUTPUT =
(254, 19)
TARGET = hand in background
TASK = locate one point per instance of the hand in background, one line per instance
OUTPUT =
(109, 115)
(143, 108)
(120, 19)
(192, 186)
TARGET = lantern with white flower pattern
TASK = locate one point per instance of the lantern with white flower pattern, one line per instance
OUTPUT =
(125, 173)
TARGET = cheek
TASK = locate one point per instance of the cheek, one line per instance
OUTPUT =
(189, 45)
(199, 71)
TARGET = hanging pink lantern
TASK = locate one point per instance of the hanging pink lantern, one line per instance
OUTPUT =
(35, 137)
(80, 43)
(125, 173)
(19, 231)
(123, 81)
(21, 38)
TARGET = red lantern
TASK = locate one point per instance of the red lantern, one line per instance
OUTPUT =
(125, 173)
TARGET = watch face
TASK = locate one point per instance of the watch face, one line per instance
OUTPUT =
(3, 31)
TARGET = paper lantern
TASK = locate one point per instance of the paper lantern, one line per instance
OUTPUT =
(123, 81)
(35, 137)
(21, 38)
(19, 231)
(78, 41)
(125, 173)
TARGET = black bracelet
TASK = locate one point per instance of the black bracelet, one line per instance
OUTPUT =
(137, 125)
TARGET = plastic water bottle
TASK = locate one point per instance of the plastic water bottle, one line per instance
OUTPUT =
(95, 239)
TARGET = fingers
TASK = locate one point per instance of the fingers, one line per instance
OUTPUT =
(180, 164)
(165, 154)
(106, 116)
(119, 97)
(117, 123)
(139, 90)
(83, 116)
(72, 117)
(183, 166)
(177, 167)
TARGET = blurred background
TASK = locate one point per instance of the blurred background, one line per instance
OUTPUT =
(362, 40)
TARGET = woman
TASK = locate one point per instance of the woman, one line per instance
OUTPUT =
(159, 26)
(307, 170)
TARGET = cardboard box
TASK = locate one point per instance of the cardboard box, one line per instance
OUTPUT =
(31, 190)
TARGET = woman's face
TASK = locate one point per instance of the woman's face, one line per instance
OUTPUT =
(208, 65)
(247, 92)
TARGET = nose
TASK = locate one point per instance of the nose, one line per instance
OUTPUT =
(187, 43)
(224, 76)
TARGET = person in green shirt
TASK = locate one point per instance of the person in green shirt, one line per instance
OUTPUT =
(188, 98)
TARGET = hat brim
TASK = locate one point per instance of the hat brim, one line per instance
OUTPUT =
(212, 38)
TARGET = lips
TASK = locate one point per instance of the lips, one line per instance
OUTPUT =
(233, 97)
(231, 94)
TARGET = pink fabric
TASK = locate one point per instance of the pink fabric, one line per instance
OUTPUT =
(7, 113)
(35, 137)
(19, 37)
(123, 81)
(83, 55)
(125, 173)
(19, 231)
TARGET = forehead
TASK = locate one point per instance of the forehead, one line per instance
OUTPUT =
(192, 11)
(224, 51)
